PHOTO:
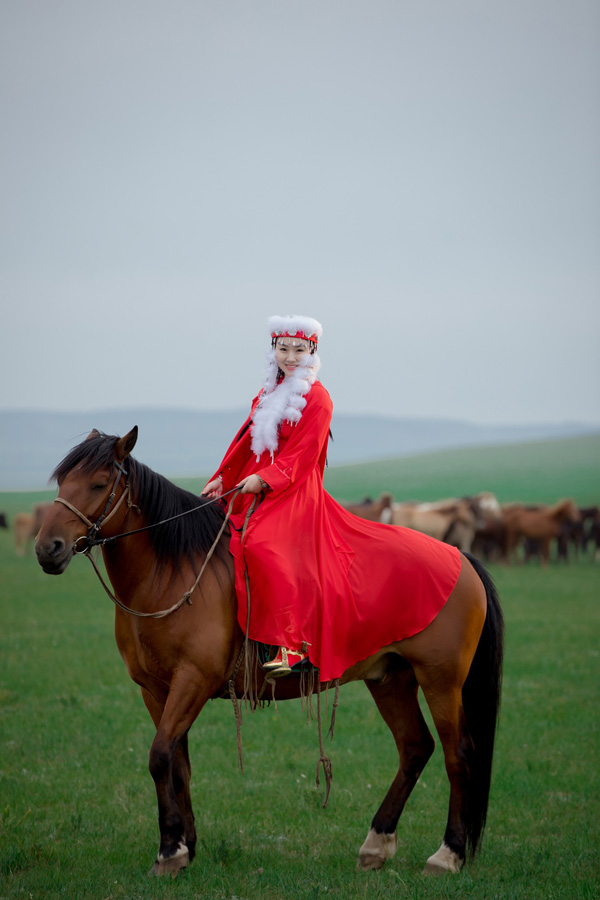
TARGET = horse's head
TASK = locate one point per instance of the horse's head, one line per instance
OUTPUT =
(488, 507)
(92, 480)
(565, 511)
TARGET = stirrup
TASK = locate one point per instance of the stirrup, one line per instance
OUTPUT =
(283, 662)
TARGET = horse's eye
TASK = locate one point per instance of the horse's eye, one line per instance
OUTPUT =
(99, 487)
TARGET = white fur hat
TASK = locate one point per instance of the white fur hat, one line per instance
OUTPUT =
(295, 326)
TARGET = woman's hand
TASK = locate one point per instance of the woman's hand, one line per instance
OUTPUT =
(214, 488)
(252, 484)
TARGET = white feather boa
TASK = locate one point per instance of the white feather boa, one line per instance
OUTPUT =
(281, 402)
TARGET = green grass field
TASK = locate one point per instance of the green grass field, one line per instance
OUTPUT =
(77, 805)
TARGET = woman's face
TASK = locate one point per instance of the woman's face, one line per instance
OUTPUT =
(290, 352)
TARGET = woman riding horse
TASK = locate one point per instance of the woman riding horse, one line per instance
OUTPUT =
(312, 579)
(383, 604)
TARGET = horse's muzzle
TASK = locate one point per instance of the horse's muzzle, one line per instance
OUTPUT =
(53, 555)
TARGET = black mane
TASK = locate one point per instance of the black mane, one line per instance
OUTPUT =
(157, 497)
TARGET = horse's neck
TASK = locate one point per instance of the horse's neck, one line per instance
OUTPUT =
(130, 561)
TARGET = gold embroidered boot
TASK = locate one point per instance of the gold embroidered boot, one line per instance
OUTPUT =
(283, 662)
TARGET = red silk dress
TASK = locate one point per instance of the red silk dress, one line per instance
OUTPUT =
(317, 573)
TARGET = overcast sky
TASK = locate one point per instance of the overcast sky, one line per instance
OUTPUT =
(422, 177)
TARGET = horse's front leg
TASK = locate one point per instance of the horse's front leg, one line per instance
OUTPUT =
(170, 768)
(182, 773)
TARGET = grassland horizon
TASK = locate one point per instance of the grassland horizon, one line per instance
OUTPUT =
(537, 472)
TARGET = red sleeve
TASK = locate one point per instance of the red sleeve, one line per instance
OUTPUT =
(232, 462)
(305, 448)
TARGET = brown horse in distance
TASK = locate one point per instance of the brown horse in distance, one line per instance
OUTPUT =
(374, 510)
(24, 533)
(542, 524)
(27, 525)
(192, 655)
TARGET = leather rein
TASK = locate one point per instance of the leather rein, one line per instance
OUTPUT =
(90, 540)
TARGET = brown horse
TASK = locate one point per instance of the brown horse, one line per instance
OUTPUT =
(184, 659)
(27, 525)
(24, 533)
(541, 524)
(374, 510)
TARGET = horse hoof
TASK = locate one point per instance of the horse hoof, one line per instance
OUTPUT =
(171, 865)
(376, 849)
(445, 860)
(369, 863)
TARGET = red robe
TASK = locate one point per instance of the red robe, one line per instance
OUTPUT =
(317, 573)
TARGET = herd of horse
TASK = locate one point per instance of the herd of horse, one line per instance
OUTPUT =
(492, 531)
(479, 524)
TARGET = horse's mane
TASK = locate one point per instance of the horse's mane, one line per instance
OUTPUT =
(157, 497)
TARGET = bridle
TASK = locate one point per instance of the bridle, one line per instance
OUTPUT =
(104, 517)
(90, 540)
(94, 527)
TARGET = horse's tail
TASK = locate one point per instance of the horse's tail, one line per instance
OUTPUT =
(481, 703)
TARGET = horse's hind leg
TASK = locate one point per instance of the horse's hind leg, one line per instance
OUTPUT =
(397, 701)
(447, 712)
(442, 656)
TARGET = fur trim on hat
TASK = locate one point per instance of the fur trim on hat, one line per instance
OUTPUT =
(281, 402)
(296, 325)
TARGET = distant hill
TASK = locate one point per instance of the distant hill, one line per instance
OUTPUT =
(181, 443)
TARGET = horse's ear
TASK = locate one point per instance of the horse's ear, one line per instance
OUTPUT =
(94, 433)
(126, 444)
